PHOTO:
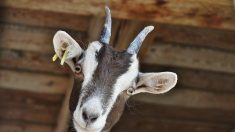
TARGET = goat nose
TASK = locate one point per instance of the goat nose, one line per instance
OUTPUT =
(89, 117)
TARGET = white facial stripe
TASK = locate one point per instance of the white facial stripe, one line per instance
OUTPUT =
(123, 82)
(90, 63)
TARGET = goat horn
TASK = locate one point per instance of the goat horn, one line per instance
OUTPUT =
(106, 31)
(136, 44)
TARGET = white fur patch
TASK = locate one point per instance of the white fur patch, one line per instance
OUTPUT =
(93, 105)
(89, 65)
(123, 82)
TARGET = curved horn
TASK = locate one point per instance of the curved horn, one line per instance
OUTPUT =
(136, 44)
(106, 31)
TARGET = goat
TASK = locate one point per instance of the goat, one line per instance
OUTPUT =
(105, 78)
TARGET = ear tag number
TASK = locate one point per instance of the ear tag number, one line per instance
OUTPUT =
(130, 91)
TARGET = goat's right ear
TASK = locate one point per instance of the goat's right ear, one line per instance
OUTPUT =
(67, 49)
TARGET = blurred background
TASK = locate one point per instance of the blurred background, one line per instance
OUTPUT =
(194, 38)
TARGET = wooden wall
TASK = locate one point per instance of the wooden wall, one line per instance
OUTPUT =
(195, 39)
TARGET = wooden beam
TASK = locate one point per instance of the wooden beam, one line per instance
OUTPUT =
(189, 98)
(28, 107)
(44, 18)
(14, 126)
(197, 79)
(161, 111)
(95, 27)
(34, 82)
(189, 57)
(23, 38)
(64, 115)
(123, 32)
(21, 97)
(175, 34)
(189, 35)
(30, 61)
(151, 124)
(27, 38)
(29, 113)
(205, 80)
(201, 13)
(184, 104)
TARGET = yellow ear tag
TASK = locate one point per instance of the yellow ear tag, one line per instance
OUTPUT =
(54, 57)
(64, 57)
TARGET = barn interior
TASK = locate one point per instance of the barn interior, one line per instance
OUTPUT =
(193, 38)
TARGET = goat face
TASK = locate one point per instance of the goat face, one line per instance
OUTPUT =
(106, 74)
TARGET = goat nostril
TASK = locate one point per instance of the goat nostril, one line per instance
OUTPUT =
(89, 118)
(94, 118)
(84, 115)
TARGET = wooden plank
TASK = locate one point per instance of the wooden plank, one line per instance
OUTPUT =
(185, 35)
(189, 35)
(31, 61)
(29, 106)
(197, 79)
(199, 13)
(204, 80)
(174, 34)
(38, 113)
(25, 38)
(29, 38)
(44, 18)
(95, 27)
(141, 123)
(64, 114)
(190, 57)
(161, 111)
(185, 104)
(21, 97)
(35, 82)
(14, 126)
(185, 97)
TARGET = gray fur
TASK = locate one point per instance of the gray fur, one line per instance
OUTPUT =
(111, 65)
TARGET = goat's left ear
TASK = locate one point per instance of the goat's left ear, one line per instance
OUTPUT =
(155, 83)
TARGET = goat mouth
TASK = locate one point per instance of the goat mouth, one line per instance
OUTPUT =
(84, 129)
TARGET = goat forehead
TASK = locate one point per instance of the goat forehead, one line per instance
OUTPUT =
(90, 62)
(110, 66)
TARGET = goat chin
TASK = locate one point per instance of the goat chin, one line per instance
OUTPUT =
(81, 129)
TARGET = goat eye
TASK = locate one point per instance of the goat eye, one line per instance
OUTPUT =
(78, 72)
(130, 91)
(78, 69)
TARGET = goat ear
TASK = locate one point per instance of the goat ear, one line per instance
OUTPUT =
(155, 83)
(66, 48)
